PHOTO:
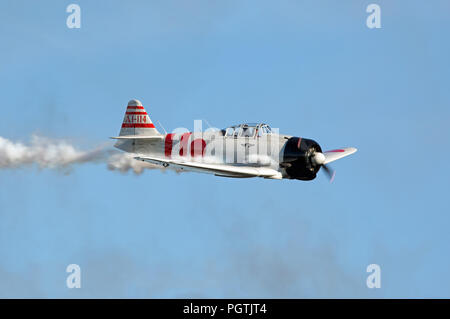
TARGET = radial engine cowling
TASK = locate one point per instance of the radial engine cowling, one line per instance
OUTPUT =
(302, 158)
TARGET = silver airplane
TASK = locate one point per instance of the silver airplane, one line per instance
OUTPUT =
(244, 150)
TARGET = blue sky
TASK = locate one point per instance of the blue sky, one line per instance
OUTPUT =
(310, 68)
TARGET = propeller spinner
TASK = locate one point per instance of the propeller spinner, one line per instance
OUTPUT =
(318, 159)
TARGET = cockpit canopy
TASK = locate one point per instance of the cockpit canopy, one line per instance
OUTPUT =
(247, 130)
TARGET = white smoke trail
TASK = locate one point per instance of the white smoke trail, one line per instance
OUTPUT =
(123, 162)
(61, 155)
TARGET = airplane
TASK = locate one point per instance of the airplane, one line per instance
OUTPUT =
(239, 151)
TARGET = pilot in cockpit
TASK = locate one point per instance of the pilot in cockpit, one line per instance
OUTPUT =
(247, 131)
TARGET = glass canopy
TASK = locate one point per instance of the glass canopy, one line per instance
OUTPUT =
(247, 130)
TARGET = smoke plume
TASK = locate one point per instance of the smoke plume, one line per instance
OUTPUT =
(61, 155)
(124, 162)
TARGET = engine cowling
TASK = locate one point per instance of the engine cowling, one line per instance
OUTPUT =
(298, 158)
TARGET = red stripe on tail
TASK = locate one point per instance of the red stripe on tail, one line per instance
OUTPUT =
(133, 125)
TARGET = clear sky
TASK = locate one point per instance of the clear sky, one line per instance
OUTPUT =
(309, 68)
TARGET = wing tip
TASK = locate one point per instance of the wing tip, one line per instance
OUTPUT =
(348, 150)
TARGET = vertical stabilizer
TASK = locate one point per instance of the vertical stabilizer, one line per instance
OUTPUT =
(137, 121)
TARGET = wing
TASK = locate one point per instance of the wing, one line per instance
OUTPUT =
(333, 155)
(217, 169)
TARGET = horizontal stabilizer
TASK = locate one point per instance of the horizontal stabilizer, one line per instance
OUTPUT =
(140, 137)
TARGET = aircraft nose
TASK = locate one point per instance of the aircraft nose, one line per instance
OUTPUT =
(318, 158)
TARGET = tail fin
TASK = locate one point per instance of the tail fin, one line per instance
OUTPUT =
(137, 122)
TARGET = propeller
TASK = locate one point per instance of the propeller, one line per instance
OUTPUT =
(329, 172)
(318, 159)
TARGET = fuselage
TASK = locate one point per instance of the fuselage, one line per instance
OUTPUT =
(283, 153)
